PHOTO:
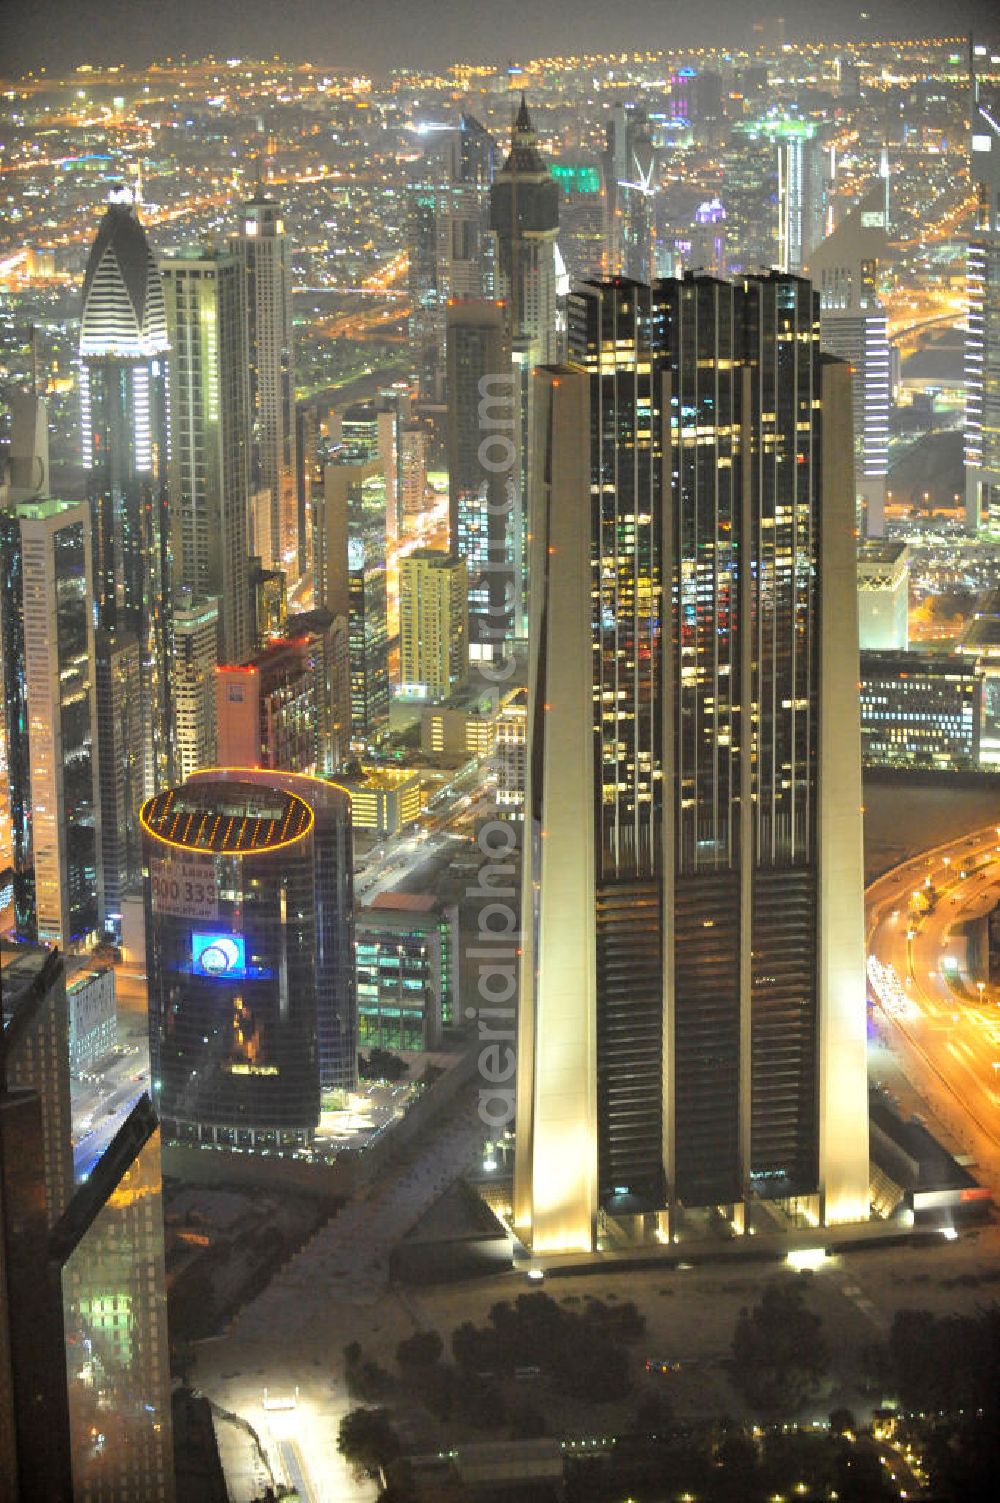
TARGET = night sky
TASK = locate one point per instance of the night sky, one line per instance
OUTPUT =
(376, 35)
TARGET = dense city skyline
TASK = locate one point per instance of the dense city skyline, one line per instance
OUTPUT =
(499, 751)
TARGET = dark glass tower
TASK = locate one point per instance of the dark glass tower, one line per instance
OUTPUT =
(250, 956)
(712, 998)
(123, 398)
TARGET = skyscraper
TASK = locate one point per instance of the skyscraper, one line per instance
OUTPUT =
(853, 326)
(83, 1269)
(368, 634)
(524, 214)
(801, 192)
(196, 656)
(629, 171)
(264, 252)
(48, 686)
(250, 956)
(982, 350)
(433, 623)
(210, 437)
(123, 413)
(483, 418)
(118, 718)
(692, 1016)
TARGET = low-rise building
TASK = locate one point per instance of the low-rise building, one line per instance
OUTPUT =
(93, 1015)
(406, 958)
(920, 710)
(384, 799)
(883, 596)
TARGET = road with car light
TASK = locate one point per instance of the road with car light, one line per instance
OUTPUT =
(932, 995)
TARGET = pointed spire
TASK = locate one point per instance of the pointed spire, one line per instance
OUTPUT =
(522, 125)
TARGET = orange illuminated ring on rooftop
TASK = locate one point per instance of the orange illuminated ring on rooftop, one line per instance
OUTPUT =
(263, 835)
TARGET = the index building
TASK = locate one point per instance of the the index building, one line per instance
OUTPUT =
(692, 1007)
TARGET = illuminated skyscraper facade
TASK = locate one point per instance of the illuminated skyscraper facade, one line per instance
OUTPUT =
(692, 1026)
(250, 956)
(483, 415)
(854, 327)
(524, 214)
(210, 438)
(982, 349)
(48, 685)
(264, 252)
(123, 415)
(118, 707)
(433, 623)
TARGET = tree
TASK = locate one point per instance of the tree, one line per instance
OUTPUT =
(779, 1354)
(842, 1422)
(381, 1064)
(367, 1441)
(421, 1350)
(368, 1380)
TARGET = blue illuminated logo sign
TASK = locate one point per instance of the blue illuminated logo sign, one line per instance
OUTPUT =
(221, 956)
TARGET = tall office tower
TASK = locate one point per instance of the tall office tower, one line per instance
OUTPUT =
(801, 191)
(412, 447)
(86, 1280)
(426, 306)
(329, 648)
(273, 711)
(35, 1024)
(465, 249)
(265, 254)
(123, 419)
(982, 349)
(524, 214)
(52, 752)
(581, 218)
(251, 979)
(119, 711)
(629, 172)
(483, 417)
(692, 1008)
(451, 247)
(681, 103)
(306, 433)
(433, 623)
(210, 437)
(844, 270)
(749, 192)
(115, 1319)
(196, 656)
(35, 1451)
(368, 633)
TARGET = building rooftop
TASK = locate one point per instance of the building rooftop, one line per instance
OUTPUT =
(226, 818)
(882, 551)
(405, 902)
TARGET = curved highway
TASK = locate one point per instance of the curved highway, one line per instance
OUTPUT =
(941, 1017)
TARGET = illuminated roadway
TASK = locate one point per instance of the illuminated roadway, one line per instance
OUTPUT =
(941, 1021)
